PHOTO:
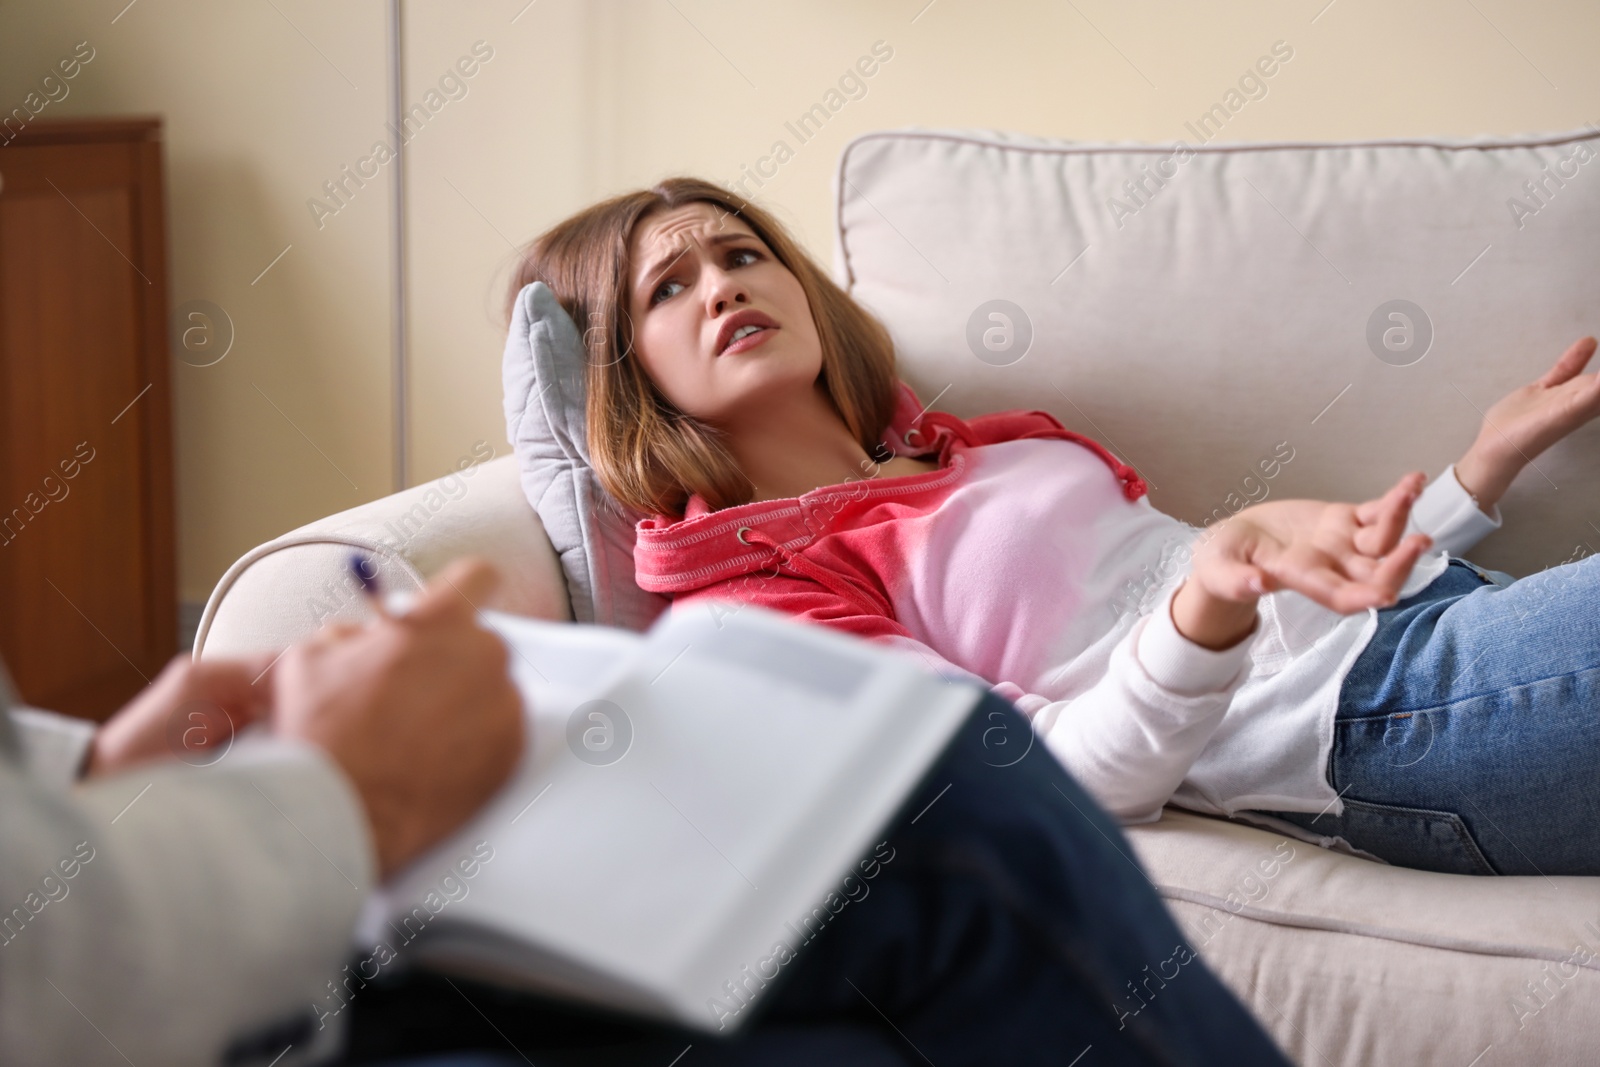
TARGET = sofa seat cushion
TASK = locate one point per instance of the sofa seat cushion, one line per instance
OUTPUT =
(1353, 963)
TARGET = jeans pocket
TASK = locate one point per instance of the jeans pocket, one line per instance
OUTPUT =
(1499, 579)
(1413, 837)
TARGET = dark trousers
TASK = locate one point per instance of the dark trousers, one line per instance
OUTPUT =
(1009, 924)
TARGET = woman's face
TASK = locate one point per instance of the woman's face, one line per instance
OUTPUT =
(720, 325)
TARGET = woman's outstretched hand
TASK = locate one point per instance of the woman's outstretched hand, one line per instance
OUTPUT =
(1347, 557)
(1529, 420)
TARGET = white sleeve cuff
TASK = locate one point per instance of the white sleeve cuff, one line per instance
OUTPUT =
(1446, 512)
(1179, 664)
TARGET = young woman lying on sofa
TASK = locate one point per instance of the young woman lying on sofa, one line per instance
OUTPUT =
(752, 409)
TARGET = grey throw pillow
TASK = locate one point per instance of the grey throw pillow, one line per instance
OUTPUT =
(543, 377)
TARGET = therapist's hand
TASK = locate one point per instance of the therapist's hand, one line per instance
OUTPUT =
(191, 709)
(419, 710)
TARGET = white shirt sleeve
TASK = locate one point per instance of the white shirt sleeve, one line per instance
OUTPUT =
(1446, 512)
(1132, 737)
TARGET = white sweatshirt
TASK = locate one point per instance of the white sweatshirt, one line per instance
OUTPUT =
(1144, 716)
(1013, 562)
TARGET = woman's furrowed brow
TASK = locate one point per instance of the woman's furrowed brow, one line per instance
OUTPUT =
(665, 263)
(662, 265)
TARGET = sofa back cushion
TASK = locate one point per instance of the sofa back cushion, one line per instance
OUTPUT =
(1244, 321)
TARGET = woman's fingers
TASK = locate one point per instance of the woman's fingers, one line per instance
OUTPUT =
(1351, 584)
(1238, 580)
(1321, 583)
(1571, 362)
(1383, 521)
(1395, 568)
(1371, 511)
(1380, 586)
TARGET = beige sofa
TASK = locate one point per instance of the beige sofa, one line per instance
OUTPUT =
(1226, 312)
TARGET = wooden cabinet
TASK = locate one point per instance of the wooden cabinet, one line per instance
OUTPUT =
(88, 589)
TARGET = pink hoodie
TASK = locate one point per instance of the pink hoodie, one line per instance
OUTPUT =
(846, 543)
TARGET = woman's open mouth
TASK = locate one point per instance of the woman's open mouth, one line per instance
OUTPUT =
(744, 330)
(748, 337)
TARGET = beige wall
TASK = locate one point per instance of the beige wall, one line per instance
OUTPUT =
(581, 99)
(256, 120)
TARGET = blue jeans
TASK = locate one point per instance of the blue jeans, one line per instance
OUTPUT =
(1011, 925)
(1467, 738)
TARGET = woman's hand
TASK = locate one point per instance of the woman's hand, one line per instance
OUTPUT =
(1347, 557)
(1529, 420)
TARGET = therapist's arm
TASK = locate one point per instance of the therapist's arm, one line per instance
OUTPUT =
(165, 914)
(169, 913)
(417, 710)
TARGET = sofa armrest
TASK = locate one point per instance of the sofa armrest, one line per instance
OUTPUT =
(288, 588)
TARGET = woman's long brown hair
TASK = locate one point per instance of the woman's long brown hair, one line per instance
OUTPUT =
(648, 454)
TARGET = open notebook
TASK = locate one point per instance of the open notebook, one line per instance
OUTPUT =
(689, 800)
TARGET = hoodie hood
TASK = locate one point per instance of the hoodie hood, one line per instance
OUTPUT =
(676, 555)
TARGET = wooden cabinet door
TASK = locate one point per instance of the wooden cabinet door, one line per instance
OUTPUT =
(88, 597)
